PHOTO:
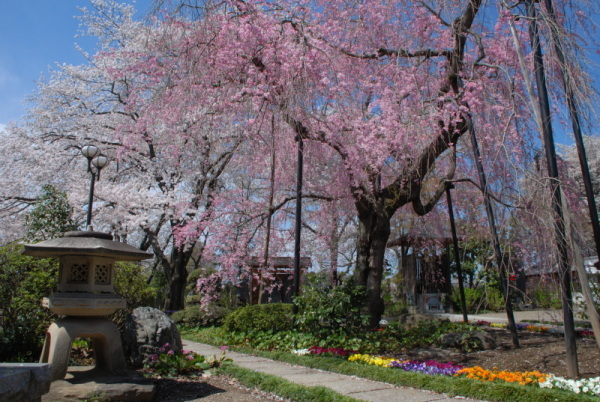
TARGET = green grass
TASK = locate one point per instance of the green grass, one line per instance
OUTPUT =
(492, 391)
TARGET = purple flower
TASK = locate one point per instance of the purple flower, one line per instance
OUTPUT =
(153, 358)
(427, 367)
(190, 357)
(170, 352)
(187, 352)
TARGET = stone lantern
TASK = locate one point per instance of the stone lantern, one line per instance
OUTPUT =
(85, 297)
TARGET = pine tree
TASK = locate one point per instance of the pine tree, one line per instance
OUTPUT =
(51, 215)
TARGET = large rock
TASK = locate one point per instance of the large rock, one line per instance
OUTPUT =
(469, 341)
(81, 383)
(147, 330)
(410, 321)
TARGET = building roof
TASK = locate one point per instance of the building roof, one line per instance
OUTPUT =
(279, 262)
(424, 233)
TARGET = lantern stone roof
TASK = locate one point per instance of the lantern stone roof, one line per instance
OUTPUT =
(86, 243)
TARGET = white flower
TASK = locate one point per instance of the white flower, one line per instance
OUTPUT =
(301, 352)
(590, 386)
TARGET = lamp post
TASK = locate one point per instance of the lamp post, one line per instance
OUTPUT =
(461, 287)
(298, 226)
(97, 160)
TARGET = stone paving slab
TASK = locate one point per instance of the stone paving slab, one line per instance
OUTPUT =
(350, 385)
(355, 387)
(400, 394)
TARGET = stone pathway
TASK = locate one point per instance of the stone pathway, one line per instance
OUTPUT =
(354, 387)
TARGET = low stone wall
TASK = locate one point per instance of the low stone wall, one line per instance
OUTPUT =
(24, 381)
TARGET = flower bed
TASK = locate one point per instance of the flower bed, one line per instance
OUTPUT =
(589, 386)
(521, 327)
(582, 332)
(522, 378)
(372, 360)
(428, 367)
(318, 350)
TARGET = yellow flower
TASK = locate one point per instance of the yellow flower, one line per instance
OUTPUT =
(366, 359)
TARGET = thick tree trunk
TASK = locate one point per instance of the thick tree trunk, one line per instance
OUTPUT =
(373, 235)
(177, 280)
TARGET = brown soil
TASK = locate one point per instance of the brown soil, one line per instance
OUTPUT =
(212, 388)
(542, 352)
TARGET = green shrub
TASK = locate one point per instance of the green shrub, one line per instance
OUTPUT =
(480, 298)
(193, 315)
(494, 299)
(324, 311)
(193, 277)
(473, 298)
(24, 281)
(131, 283)
(546, 297)
(50, 216)
(260, 317)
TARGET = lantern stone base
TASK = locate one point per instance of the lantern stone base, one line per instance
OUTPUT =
(82, 304)
(106, 343)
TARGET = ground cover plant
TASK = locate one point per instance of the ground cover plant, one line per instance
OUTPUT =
(169, 363)
(397, 349)
(462, 386)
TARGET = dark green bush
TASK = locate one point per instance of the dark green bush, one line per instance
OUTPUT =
(480, 298)
(24, 281)
(494, 298)
(547, 296)
(193, 277)
(131, 283)
(324, 311)
(193, 315)
(260, 317)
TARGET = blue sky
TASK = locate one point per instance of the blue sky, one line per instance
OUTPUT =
(34, 35)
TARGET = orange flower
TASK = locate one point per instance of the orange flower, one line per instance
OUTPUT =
(523, 378)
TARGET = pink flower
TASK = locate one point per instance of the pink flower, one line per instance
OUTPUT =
(170, 352)
(224, 348)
